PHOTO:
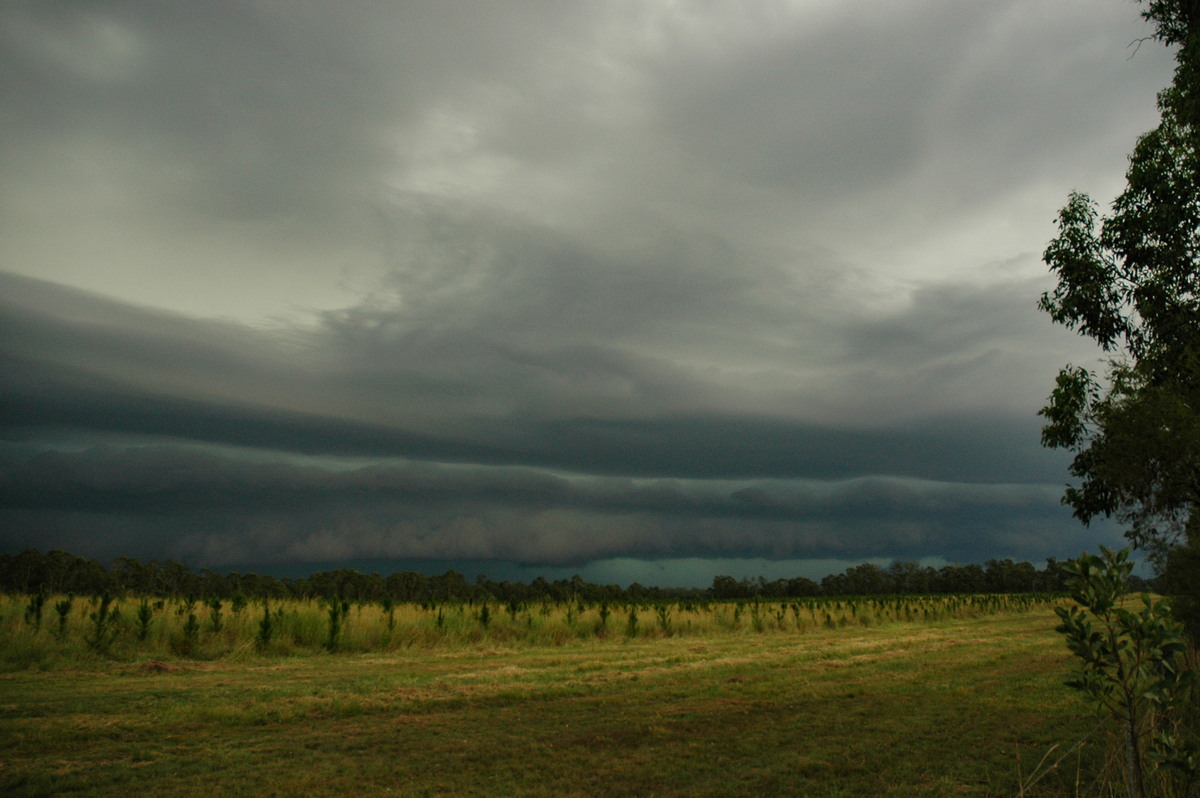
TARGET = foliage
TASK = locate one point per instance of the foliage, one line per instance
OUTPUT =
(214, 616)
(33, 610)
(337, 612)
(105, 628)
(191, 636)
(664, 617)
(389, 609)
(266, 629)
(1182, 568)
(1131, 282)
(238, 601)
(1132, 664)
(31, 572)
(144, 616)
(63, 608)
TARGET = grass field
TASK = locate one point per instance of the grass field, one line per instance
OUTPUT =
(959, 706)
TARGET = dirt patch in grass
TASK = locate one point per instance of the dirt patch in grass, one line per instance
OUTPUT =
(155, 666)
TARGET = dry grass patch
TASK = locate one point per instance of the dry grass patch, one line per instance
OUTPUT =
(898, 710)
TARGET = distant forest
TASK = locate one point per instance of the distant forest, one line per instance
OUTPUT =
(58, 572)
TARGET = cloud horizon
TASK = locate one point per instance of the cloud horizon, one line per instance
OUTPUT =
(561, 286)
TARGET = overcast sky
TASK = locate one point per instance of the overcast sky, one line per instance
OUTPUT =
(636, 289)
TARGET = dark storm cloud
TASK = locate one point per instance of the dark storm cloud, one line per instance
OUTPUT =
(254, 108)
(86, 364)
(527, 486)
(542, 281)
(161, 478)
(234, 507)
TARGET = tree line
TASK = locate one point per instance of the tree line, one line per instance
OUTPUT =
(59, 572)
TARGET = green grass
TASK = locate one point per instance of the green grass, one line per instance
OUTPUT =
(964, 706)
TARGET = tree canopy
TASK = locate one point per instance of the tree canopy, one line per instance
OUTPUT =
(1130, 280)
(56, 572)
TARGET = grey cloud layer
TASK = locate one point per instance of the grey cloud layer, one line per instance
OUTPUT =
(183, 502)
(255, 144)
(525, 485)
(475, 393)
(542, 281)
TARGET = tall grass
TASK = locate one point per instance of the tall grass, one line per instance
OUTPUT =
(139, 628)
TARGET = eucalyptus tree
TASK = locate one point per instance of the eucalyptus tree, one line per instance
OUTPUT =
(1129, 279)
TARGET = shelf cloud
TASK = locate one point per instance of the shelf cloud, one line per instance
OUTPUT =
(545, 283)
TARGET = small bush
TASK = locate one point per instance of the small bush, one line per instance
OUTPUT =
(214, 615)
(33, 611)
(188, 644)
(144, 616)
(63, 608)
(266, 629)
(1133, 665)
(104, 625)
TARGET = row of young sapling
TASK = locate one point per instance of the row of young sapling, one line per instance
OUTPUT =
(188, 627)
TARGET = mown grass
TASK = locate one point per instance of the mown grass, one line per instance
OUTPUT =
(962, 706)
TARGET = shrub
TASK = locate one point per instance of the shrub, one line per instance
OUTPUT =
(1132, 664)
(63, 608)
(144, 616)
(266, 628)
(187, 645)
(104, 625)
(664, 618)
(389, 609)
(33, 610)
(215, 615)
(337, 611)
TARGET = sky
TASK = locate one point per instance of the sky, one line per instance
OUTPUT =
(644, 291)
